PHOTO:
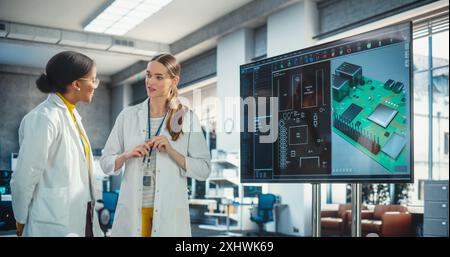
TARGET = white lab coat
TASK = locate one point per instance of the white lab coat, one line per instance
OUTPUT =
(171, 207)
(50, 186)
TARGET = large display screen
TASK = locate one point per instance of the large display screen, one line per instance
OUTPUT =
(337, 112)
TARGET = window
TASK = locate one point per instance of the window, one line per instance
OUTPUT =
(260, 43)
(446, 143)
(206, 111)
(431, 63)
(431, 67)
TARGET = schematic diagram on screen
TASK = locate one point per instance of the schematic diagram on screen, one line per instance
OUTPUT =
(303, 146)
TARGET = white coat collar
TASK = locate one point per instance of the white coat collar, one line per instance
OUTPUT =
(56, 100)
(53, 98)
(143, 116)
(59, 102)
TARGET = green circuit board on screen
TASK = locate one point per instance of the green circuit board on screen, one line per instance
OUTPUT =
(371, 115)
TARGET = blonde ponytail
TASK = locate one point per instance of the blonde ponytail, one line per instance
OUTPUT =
(175, 114)
(175, 110)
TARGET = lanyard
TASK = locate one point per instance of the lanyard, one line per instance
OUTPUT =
(149, 130)
(148, 121)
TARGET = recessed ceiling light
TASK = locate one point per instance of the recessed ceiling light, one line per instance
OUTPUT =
(122, 15)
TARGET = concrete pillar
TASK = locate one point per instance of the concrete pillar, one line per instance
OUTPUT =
(121, 97)
(288, 30)
(233, 50)
(292, 28)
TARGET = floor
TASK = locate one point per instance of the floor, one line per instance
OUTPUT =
(196, 232)
(200, 232)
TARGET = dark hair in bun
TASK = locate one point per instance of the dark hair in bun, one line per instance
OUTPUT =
(62, 69)
(43, 84)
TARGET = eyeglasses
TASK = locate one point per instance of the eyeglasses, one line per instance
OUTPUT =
(95, 81)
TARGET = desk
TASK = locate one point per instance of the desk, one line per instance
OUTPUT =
(228, 214)
(5, 198)
(415, 209)
(277, 208)
(7, 221)
(218, 227)
(198, 207)
(202, 201)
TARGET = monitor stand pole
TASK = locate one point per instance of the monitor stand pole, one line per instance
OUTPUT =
(316, 209)
(356, 210)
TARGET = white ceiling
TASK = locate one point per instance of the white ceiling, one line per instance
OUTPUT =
(37, 55)
(176, 20)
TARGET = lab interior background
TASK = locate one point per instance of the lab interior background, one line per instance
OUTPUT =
(211, 39)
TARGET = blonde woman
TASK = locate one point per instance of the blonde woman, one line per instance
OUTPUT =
(160, 143)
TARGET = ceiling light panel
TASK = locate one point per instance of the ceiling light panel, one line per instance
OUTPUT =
(123, 15)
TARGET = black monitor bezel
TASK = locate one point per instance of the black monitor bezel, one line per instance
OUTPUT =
(383, 179)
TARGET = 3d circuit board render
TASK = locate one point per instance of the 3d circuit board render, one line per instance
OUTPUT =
(370, 115)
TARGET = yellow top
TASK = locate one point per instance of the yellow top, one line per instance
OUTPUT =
(71, 106)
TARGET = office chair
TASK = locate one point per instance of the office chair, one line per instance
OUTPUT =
(264, 212)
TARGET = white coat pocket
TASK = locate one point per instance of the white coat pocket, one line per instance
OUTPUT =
(50, 206)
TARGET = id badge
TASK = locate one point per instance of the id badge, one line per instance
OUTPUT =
(147, 181)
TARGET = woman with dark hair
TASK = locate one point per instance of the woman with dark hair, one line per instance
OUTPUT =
(161, 144)
(52, 187)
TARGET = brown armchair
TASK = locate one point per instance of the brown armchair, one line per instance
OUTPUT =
(384, 220)
(333, 222)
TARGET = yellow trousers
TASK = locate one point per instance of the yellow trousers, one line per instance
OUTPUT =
(147, 219)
